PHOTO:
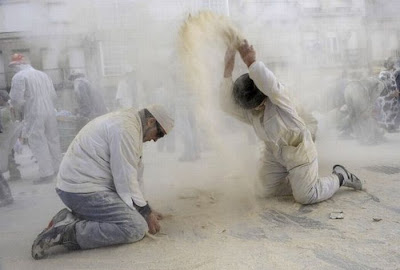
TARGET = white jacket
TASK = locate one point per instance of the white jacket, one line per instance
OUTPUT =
(284, 132)
(33, 91)
(106, 155)
(279, 122)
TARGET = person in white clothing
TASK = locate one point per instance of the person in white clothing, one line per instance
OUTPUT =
(33, 94)
(90, 102)
(9, 132)
(101, 181)
(289, 163)
(129, 91)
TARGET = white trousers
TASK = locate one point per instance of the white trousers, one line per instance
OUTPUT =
(44, 142)
(293, 170)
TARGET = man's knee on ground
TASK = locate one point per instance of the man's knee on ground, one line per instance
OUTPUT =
(136, 230)
(309, 197)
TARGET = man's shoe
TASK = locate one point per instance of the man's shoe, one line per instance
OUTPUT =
(60, 216)
(61, 227)
(349, 179)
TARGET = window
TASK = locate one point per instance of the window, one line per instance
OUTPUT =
(311, 42)
(342, 4)
(313, 48)
(332, 45)
(332, 48)
(217, 6)
(113, 58)
(311, 5)
(76, 59)
(117, 13)
(392, 41)
(170, 10)
(377, 45)
(58, 12)
(352, 44)
(50, 65)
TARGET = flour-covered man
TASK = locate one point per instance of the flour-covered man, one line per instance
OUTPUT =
(101, 181)
(289, 162)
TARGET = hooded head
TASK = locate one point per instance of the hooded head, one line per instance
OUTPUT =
(162, 116)
(389, 63)
(17, 59)
(18, 62)
(384, 76)
(156, 122)
(75, 75)
(246, 93)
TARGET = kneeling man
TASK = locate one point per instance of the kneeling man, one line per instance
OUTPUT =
(100, 180)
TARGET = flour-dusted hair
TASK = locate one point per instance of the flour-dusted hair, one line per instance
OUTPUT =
(246, 94)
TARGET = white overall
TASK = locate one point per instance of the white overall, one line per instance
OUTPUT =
(289, 163)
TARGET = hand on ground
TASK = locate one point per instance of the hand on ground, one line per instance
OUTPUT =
(158, 215)
(152, 222)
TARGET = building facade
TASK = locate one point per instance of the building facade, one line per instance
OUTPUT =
(313, 39)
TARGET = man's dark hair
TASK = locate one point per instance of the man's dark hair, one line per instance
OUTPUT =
(246, 94)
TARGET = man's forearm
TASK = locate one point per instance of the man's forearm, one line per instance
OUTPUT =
(229, 62)
(227, 73)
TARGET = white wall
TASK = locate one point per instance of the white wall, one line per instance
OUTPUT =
(15, 17)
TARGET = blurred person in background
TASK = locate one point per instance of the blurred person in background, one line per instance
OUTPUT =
(101, 181)
(388, 102)
(189, 130)
(33, 94)
(289, 162)
(162, 93)
(90, 102)
(362, 117)
(336, 91)
(396, 75)
(9, 133)
(128, 92)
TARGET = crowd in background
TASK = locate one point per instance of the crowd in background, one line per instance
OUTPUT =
(29, 118)
(366, 109)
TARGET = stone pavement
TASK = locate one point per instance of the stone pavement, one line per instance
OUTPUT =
(213, 220)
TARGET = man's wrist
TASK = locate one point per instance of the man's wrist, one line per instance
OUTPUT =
(250, 62)
(227, 74)
(145, 210)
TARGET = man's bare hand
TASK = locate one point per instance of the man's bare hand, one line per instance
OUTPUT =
(247, 53)
(158, 215)
(152, 222)
(229, 62)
